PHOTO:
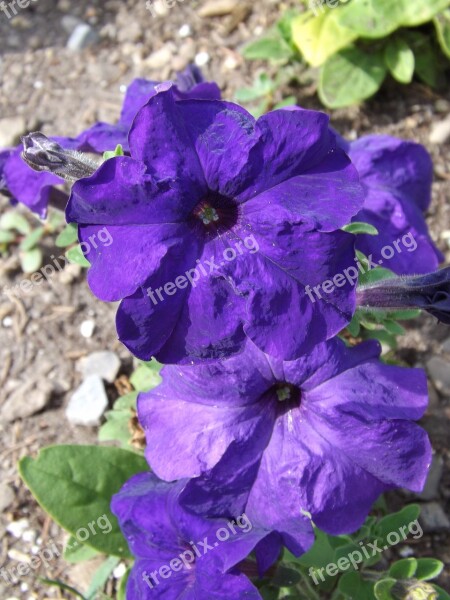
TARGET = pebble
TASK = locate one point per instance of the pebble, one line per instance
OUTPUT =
(185, 31)
(439, 370)
(87, 328)
(446, 346)
(7, 322)
(26, 401)
(6, 496)
(10, 131)
(202, 59)
(433, 517)
(82, 36)
(104, 364)
(70, 23)
(431, 489)
(16, 528)
(217, 8)
(161, 57)
(88, 403)
(440, 131)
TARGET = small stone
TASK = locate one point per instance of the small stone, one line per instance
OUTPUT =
(161, 57)
(431, 489)
(82, 36)
(217, 8)
(88, 403)
(87, 328)
(440, 131)
(120, 570)
(433, 517)
(104, 364)
(185, 31)
(26, 401)
(439, 370)
(16, 528)
(201, 59)
(6, 496)
(10, 131)
(7, 322)
(70, 23)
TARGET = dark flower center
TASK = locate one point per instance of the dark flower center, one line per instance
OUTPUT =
(215, 214)
(287, 395)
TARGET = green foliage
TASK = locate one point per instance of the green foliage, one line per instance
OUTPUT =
(75, 255)
(118, 151)
(356, 44)
(262, 91)
(74, 484)
(68, 236)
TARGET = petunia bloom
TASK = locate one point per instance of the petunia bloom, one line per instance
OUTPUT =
(397, 175)
(219, 222)
(180, 555)
(35, 189)
(323, 435)
(430, 292)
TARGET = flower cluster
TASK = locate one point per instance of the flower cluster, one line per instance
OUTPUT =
(263, 411)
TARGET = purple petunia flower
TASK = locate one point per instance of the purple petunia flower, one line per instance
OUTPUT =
(180, 555)
(397, 175)
(219, 222)
(34, 189)
(323, 435)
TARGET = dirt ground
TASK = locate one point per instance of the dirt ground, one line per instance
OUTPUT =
(60, 92)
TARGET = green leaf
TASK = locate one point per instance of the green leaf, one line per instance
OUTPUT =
(354, 326)
(14, 220)
(403, 569)
(270, 47)
(442, 593)
(31, 260)
(385, 338)
(354, 587)
(351, 76)
(321, 553)
(116, 427)
(68, 236)
(122, 587)
(289, 101)
(76, 552)
(75, 255)
(429, 63)
(285, 576)
(374, 275)
(442, 24)
(403, 315)
(357, 228)
(112, 153)
(319, 37)
(393, 327)
(400, 60)
(74, 484)
(428, 568)
(262, 86)
(146, 376)
(382, 589)
(101, 576)
(379, 18)
(395, 521)
(30, 241)
(6, 237)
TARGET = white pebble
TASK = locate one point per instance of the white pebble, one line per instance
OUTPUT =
(123, 89)
(185, 31)
(119, 571)
(17, 528)
(24, 587)
(201, 59)
(7, 322)
(406, 551)
(87, 328)
(38, 85)
(29, 536)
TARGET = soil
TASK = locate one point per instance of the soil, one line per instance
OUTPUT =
(61, 92)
